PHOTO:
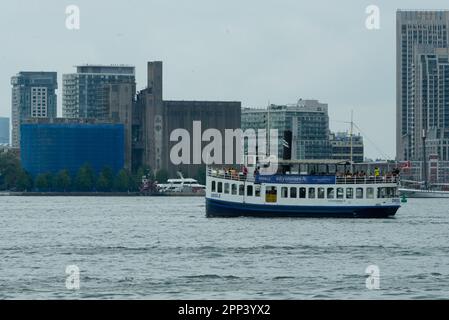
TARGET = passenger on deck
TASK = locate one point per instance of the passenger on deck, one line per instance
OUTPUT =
(376, 172)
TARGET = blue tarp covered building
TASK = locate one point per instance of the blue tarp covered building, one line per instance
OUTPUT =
(52, 147)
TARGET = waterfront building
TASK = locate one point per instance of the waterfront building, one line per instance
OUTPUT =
(33, 96)
(52, 145)
(4, 131)
(303, 128)
(155, 119)
(346, 148)
(432, 103)
(103, 93)
(414, 30)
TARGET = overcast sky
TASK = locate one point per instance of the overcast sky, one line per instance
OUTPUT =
(251, 51)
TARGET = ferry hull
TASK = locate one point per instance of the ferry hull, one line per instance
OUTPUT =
(219, 208)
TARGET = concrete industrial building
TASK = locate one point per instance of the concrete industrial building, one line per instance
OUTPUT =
(103, 93)
(305, 123)
(418, 36)
(155, 119)
(4, 131)
(33, 96)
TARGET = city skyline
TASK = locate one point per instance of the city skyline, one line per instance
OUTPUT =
(212, 43)
(422, 91)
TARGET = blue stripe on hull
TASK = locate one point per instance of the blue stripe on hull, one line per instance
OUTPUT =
(219, 208)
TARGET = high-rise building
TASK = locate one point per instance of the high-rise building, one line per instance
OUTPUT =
(4, 131)
(154, 119)
(432, 103)
(102, 93)
(345, 147)
(306, 123)
(33, 96)
(52, 145)
(414, 30)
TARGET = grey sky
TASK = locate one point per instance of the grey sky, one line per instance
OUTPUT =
(251, 51)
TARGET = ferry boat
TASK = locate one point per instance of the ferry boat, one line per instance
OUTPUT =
(309, 188)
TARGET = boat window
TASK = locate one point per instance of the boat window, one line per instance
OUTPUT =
(380, 193)
(320, 193)
(284, 192)
(394, 192)
(293, 192)
(359, 193)
(349, 193)
(386, 192)
(226, 188)
(302, 193)
(220, 187)
(271, 194)
(340, 193)
(330, 193)
(241, 189)
(311, 193)
(257, 191)
(213, 186)
(249, 191)
(370, 193)
(234, 188)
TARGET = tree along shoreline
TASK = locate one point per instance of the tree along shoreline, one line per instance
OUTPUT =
(13, 178)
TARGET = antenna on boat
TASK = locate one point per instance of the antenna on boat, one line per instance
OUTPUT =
(268, 151)
(350, 134)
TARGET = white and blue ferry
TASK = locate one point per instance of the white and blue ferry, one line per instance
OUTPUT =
(309, 188)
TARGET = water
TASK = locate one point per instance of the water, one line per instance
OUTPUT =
(165, 248)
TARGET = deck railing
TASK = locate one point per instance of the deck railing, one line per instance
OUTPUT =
(239, 176)
(367, 179)
(236, 176)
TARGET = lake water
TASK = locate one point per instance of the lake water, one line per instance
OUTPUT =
(165, 248)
